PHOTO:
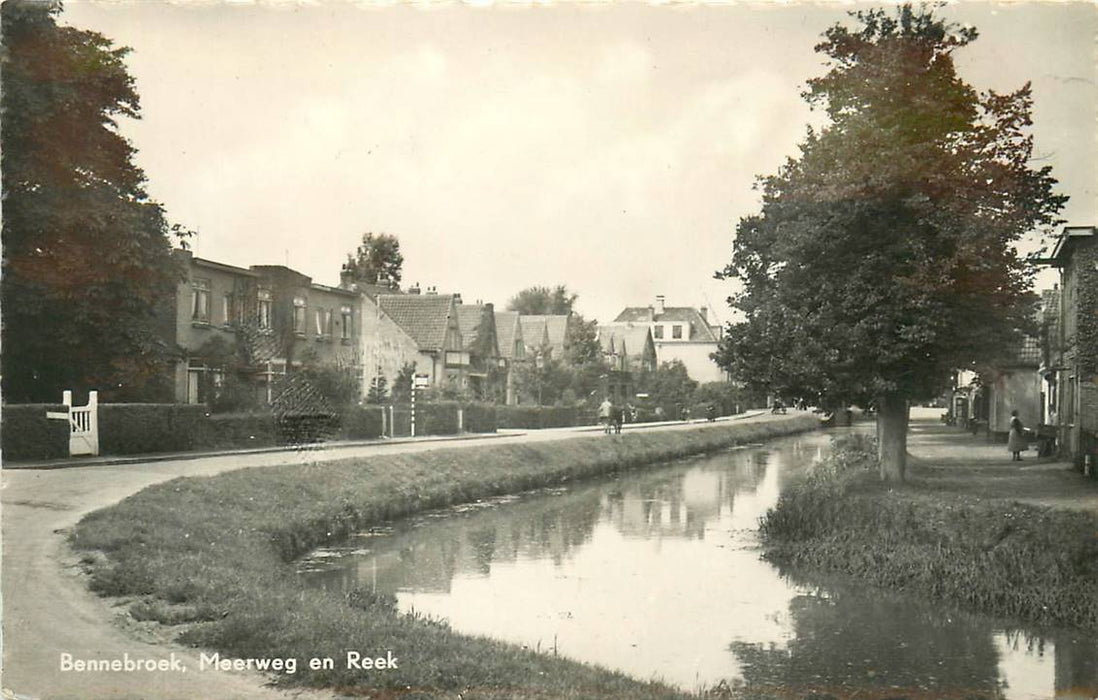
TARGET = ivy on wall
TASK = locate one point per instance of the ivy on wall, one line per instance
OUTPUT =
(1086, 343)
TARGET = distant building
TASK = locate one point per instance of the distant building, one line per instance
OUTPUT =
(1071, 370)
(512, 350)
(555, 336)
(628, 347)
(680, 333)
(535, 336)
(479, 338)
(1014, 385)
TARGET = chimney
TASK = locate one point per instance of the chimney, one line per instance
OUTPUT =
(457, 298)
(414, 289)
(432, 290)
(659, 305)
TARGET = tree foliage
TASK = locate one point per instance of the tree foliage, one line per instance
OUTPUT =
(377, 257)
(883, 256)
(540, 300)
(87, 254)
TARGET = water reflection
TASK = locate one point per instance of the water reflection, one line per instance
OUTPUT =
(658, 573)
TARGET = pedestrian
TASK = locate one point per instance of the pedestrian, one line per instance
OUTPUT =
(606, 410)
(1016, 441)
(618, 414)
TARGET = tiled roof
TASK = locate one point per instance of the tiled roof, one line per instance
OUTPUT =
(632, 336)
(1026, 354)
(534, 333)
(556, 327)
(469, 318)
(422, 316)
(507, 328)
(700, 330)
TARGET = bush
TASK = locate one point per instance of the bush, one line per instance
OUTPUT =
(301, 427)
(237, 430)
(26, 433)
(136, 428)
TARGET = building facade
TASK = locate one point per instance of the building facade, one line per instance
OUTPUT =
(680, 333)
(239, 329)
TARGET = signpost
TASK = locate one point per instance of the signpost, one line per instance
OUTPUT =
(419, 381)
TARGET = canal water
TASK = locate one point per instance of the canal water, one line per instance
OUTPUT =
(658, 573)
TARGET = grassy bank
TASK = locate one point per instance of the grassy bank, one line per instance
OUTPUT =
(992, 555)
(215, 557)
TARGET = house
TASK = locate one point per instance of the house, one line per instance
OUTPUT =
(1071, 373)
(431, 320)
(556, 333)
(627, 347)
(1014, 384)
(535, 336)
(254, 323)
(386, 347)
(680, 333)
(479, 338)
(512, 349)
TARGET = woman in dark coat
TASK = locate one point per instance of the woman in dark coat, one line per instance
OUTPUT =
(1016, 441)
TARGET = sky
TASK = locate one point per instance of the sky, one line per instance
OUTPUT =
(610, 147)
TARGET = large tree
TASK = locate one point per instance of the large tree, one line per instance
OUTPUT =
(884, 254)
(87, 254)
(539, 300)
(377, 257)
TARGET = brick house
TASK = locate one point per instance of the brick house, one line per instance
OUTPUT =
(254, 323)
(680, 333)
(1071, 372)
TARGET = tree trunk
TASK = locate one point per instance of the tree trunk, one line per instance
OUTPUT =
(892, 414)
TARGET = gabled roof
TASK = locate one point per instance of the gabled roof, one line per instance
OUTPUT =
(508, 330)
(556, 329)
(470, 317)
(424, 317)
(1068, 239)
(700, 330)
(534, 332)
(628, 339)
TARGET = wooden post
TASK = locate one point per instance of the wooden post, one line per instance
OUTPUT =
(413, 404)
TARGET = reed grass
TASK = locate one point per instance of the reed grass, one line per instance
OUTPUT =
(1030, 563)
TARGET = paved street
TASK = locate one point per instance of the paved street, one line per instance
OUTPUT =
(49, 611)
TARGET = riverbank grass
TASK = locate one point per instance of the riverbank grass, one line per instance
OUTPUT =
(215, 556)
(993, 555)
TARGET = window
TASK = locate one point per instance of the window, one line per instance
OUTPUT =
(657, 332)
(324, 323)
(676, 332)
(264, 310)
(299, 315)
(200, 301)
(227, 309)
(345, 327)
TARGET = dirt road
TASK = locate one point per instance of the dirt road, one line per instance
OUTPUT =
(48, 610)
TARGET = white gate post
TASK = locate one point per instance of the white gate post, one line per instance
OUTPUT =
(93, 421)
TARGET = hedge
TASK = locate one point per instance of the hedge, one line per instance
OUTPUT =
(480, 417)
(228, 430)
(26, 433)
(536, 417)
(362, 423)
(135, 428)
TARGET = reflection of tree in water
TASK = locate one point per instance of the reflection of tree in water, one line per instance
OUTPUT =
(874, 646)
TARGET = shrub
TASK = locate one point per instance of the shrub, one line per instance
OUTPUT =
(26, 433)
(135, 428)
